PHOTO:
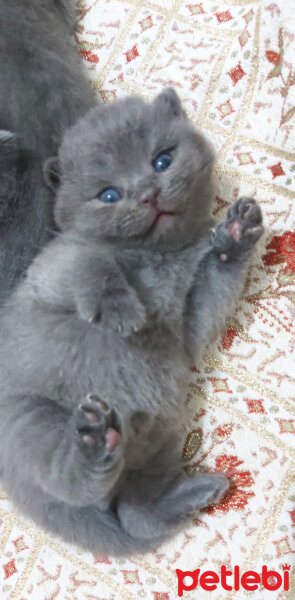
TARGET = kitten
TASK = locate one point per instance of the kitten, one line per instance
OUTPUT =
(97, 341)
(43, 91)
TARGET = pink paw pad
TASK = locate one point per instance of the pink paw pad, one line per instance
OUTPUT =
(97, 425)
(235, 230)
(112, 439)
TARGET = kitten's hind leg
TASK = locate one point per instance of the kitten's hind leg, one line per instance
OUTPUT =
(160, 498)
(75, 457)
(136, 526)
(98, 427)
(158, 519)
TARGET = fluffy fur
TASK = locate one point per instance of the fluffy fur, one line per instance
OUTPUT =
(43, 91)
(96, 342)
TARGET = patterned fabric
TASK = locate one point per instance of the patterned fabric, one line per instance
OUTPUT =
(232, 62)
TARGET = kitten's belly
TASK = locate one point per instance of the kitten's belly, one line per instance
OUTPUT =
(129, 377)
(72, 358)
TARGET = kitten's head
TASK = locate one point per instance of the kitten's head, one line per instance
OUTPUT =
(134, 173)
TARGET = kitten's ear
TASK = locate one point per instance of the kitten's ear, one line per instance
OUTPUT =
(169, 102)
(52, 172)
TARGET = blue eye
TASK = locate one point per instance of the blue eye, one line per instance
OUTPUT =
(162, 162)
(110, 196)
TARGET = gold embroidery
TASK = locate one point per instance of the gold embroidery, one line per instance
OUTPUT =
(267, 528)
(266, 148)
(241, 417)
(246, 102)
(19, 588)
(255, 182)
(61, 549)
(214, 83)
(250, 381)
(98, 84)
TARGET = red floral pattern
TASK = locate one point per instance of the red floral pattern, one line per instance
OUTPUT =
(90, 56)
(237, 497)
(273, 57)
(228, 338)
(281, 250)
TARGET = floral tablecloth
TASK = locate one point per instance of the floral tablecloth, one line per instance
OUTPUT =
(233, 64)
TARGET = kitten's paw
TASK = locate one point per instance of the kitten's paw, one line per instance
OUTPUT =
(210, 488)
(120, 311)
(98, 429)
(241, 230)
(124, 314)
(87, 309)
(191, 494)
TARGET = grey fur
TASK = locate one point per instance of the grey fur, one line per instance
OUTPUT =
(43, 91)
(117, 306)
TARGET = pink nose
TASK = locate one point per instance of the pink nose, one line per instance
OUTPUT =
(150, 196)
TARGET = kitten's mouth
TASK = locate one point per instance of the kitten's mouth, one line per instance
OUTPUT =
(163, 217)
(162, 220)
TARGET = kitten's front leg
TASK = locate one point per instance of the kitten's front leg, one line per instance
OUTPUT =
(74, 457)
(220, 276)
(107, 298)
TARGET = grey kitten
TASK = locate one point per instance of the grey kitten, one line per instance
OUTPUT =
(97, 341)
(43, 91)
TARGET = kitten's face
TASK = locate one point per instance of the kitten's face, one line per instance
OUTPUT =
(134, 173)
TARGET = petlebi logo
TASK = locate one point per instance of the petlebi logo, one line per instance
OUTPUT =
(229, 580)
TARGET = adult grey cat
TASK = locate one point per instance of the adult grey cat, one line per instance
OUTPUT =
(96, 342)
(43, 91)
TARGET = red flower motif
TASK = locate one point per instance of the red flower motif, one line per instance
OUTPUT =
(89, 56)
(221, 433)
(228, 338)
(280, 250)
(273, 57)
(237, 497)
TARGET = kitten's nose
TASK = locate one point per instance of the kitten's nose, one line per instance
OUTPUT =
(150, 196)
